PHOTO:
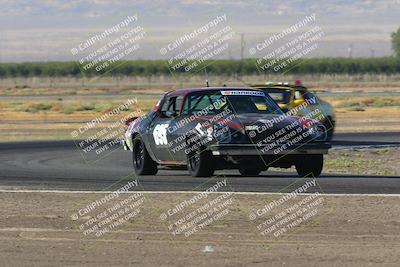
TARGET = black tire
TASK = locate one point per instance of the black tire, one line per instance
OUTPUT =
(143, 164)
(249, 172)
(200, 163)
(310, 165)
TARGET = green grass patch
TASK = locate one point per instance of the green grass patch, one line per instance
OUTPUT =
(67, 109)
(86, 107)
(356, 108)
(358, 104)
(33, 108)
(364, 162)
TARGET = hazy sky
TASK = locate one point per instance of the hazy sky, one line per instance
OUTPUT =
(48, 30)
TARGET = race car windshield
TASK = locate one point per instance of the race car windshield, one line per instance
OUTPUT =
(253, 104)
(238, 102)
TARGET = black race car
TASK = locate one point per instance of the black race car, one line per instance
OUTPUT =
(206, 129)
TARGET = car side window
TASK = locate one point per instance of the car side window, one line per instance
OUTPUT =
(172, 103)
(186, 105)
(178, 103)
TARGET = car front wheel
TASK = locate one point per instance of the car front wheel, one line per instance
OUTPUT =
(143, 164)
(310, 165)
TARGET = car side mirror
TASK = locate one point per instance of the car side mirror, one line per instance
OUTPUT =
(128, 121)
(158, 113)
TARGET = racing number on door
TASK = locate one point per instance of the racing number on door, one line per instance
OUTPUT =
(160, 134)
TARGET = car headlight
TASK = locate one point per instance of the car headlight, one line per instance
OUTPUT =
(318, 132)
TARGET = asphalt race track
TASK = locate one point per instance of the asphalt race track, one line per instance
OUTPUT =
(59, 166)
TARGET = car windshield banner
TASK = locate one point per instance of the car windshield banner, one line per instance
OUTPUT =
(237, 92)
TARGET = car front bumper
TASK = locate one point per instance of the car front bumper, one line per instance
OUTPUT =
(252, 149)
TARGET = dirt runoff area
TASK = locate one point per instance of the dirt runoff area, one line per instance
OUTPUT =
(170, 229)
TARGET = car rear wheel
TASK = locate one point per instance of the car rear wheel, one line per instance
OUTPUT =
(310, 165)
(200, 163)
(143, 164)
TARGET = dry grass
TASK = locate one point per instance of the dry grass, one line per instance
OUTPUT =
(382, 162)
(21, 91)
(56, 119)
(161, 83)
(39, 118)
(362, 114)
(365, 102)
(366, 162)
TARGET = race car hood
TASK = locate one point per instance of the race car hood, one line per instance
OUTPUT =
(261, 127)
(274, 121)
(238, 121)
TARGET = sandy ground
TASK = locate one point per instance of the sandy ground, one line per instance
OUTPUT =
(44, 229)
(356, 161)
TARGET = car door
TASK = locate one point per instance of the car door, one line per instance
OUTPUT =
(161, 127)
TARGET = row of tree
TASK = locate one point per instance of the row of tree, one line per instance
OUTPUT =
(383, 65)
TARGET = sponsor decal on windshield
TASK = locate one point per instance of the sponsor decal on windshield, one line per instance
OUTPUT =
(237, 92)
(261, 106)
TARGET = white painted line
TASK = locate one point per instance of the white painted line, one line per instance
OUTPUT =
(364, 146)
(190, 192)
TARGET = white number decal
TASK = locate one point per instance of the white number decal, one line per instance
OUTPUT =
(160, 134)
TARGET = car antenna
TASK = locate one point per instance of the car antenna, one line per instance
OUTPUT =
(205, 72)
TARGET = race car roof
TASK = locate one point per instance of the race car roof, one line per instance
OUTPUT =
(206, 89)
